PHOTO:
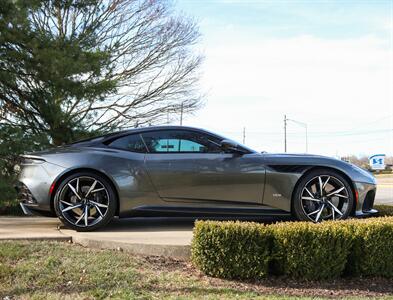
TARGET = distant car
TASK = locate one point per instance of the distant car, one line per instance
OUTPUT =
(183, 171)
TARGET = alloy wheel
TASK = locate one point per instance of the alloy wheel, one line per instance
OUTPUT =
(84, 201)
(325, 197)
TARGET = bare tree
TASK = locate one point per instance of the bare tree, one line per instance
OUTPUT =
(96, 65)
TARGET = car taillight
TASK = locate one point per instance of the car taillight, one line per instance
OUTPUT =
(52, 187)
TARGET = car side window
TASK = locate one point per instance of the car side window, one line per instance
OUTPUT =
(132, 142)
(180, 141)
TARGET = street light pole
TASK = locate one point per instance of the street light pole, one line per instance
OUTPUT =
(285, 133)
(306, 139)
(301, 124)
(181, 114)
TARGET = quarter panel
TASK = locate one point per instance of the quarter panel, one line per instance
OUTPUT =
(125, 169)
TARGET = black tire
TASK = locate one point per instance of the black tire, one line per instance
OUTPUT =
(312, 201)
(74, 202)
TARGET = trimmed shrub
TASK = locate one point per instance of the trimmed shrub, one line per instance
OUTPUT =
(372, 252)
(311, 251)
(297, 249)
(384, 210)
(232, 249)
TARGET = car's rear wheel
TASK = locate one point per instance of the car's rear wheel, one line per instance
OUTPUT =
(323, 195)
(85, 201)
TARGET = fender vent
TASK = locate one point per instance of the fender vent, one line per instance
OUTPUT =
(289, 168)
(368, 203)
(24, 194)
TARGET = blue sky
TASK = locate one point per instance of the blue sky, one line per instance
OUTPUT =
(326, 63)
(326, 19)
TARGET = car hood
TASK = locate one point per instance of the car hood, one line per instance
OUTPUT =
(295, 157)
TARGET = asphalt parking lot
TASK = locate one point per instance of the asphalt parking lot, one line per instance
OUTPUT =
(384, 190)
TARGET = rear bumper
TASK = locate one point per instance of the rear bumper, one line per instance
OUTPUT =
(33, 210)
(365, 199)
(33, 187)
(30, 206)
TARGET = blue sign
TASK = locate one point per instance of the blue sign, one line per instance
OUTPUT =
(377, 162)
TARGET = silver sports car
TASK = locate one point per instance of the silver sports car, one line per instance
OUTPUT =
(173, 170)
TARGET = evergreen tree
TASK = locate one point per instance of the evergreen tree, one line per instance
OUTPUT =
(72, 67)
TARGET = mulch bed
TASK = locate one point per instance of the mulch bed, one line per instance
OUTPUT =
(343, 287)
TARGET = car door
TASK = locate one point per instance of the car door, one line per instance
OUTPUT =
(187, 165)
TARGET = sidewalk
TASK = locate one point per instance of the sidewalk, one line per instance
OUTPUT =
(141, 236)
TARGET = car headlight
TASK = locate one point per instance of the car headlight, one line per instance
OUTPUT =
(364, 173)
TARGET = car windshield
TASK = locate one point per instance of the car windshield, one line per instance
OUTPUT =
(221, 137)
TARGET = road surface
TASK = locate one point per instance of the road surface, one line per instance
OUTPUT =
(384, 190)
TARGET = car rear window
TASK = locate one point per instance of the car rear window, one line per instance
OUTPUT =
(132, 142)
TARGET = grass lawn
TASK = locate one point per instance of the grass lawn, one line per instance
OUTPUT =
(51, 270)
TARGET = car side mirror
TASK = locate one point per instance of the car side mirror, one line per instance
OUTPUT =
(230, 146)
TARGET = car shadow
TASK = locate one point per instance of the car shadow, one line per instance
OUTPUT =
(178, 223)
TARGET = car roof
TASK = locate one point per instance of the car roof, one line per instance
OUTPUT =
(114, 135)
(103, 139)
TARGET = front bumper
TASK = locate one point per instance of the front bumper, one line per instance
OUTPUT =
(365, 199)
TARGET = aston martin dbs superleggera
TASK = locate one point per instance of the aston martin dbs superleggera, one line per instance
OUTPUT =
(172, 170)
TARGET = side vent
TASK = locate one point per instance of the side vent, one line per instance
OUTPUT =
(289, 168)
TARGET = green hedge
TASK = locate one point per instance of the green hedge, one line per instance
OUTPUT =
(296, 249)
(232, 249)
(372, 251)
(310, 250)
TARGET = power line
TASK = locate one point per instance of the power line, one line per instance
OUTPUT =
(323, 133)
(340, 132)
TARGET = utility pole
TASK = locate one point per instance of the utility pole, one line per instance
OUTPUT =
(285, 133)
(181, 114)
(244, 135)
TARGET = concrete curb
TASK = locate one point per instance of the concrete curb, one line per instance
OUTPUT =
(41, 238)
(174, 251)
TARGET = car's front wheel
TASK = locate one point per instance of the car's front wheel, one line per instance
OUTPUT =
(85, 201)
(323, 195)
